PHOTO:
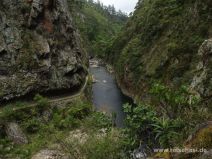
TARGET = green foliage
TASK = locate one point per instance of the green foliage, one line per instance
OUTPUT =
(99, 145)
(6, 114)
(5, 142)
(98, 120)
(167, 131)
(98, 24)
(79, 111)
(139, 123)
(144, 124)
(71, 117)
(140, 118)
(32, 125)
(78, 4)
(165, 120)
(12, 112)
(41, 102)
(108, 147)
(160, 41)
(174, 101)
(102, 141)
(39, 132)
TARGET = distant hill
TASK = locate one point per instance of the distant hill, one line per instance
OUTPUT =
(97, 23)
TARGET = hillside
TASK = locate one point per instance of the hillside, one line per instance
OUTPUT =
(160, 42)
(162, 58)
(97, 23)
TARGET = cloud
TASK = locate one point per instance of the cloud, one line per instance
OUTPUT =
(124, 5)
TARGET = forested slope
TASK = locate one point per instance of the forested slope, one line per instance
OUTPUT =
(162, 58)
(97, 23)
(160, 42)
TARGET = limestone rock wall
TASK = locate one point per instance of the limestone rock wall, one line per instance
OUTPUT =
(40, 50)
(202, 81)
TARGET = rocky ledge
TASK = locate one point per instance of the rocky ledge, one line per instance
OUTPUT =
(202, 82)
(40, 50)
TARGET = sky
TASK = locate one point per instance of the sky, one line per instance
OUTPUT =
(124, 5)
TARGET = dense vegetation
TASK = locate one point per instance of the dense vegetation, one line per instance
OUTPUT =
(166, 125)
(83, 133)
(97, 139)
(154, 56)
(98, 24)
(160, 41)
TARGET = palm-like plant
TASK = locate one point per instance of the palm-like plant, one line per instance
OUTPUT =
(165, 130)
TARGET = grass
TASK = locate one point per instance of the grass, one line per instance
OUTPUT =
(108, 146)
(103, 141)
(39, 131)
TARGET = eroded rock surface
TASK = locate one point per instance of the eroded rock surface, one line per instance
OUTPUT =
(201, 137)
(202, 81)
(40, 50)
(15, 133)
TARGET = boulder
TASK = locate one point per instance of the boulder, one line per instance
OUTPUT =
(202, 81)
(202, 137)
(46, 115)
(15, 133)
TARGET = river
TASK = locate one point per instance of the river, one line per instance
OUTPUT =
(107, 96)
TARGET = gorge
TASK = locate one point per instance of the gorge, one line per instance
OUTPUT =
(65, 66)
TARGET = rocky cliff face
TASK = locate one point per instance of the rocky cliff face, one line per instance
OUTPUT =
(202, 81)
(40, 50)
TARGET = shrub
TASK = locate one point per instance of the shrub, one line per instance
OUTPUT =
(166, 131)
(98, 120)
(174, 102)
(41, 102)
(139, 118)
(144, 124)
(32, 126)
(99, 146)
(79, 111)
(71, 116)
(6, 114)
(164, 120)
(104, 148)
